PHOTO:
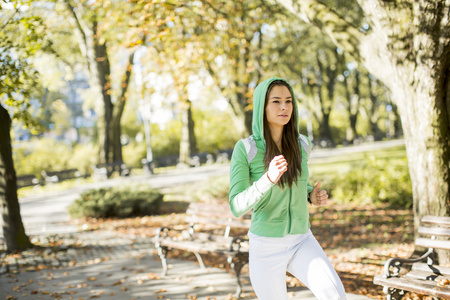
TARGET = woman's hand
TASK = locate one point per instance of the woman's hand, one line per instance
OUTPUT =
(319, 198)
(277, 167)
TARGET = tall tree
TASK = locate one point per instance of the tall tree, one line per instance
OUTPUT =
(373, 107)
(406, 46)
(353, 101)
(188, 142)
(88, 28)
(324, 87)
(21, 36)
(13, 229)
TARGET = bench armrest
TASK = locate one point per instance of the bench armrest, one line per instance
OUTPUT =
(162, 231)
(393, 265)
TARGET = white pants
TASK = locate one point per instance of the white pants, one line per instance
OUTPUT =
(302, 256)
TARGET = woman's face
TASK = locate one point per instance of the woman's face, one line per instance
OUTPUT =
(279, 106)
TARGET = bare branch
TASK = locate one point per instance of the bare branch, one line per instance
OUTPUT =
(80, 28)
(341, 32)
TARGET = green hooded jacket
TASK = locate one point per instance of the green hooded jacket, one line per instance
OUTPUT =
(276, 212)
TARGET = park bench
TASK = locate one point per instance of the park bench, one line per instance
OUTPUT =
(210, 230)
(27, 180)
(58, 176)
(104, 171)
(425, 276)
(47, 177)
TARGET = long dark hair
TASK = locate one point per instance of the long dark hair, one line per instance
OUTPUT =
(289, 142)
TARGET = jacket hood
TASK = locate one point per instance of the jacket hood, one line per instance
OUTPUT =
(259, 98)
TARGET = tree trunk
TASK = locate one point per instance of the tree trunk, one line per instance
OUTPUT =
(13, 229)
(248, 113)
(322, 115)
(352, 108)
(96, 58)
(423, 107)
(325, 130)
(116, 128)
(104, 78)
(398, 130)
(188, 143)
(372, 111)
(325, 101)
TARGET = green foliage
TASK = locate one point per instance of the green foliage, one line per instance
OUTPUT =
(40, 158)
(123, 201)
(34, 157)
(375, 181)
(129, 123)
(21, 37)
(338, 125)
(133, 153)
(216, 188)
(82, 157)
(166, 140)
(213, 131)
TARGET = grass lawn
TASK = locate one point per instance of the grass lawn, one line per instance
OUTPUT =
(343, 163)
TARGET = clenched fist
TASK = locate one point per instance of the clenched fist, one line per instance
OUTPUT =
(277, 166)
(319, 197)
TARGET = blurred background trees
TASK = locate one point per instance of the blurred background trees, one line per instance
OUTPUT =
(116, 65)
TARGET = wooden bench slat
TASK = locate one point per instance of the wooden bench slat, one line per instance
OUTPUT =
(196, 246)
(444, 221)
(426, 287)
(202, 247)
(426, 275)
(426, 268)
(434, 231)
(203, 236)
(429, 243)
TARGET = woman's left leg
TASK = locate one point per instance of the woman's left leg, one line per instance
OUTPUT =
(312, 267)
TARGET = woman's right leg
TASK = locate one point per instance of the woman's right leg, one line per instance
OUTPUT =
(267, 266)
(312, 267)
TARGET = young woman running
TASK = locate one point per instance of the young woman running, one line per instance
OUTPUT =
(269, 174)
